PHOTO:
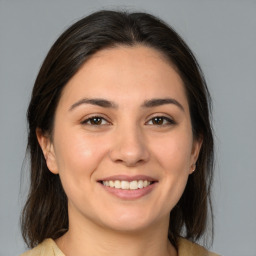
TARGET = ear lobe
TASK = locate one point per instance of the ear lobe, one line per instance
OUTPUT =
(48, 150)
(197, 144)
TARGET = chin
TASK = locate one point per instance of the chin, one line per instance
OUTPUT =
(128, 227)
(129, 221)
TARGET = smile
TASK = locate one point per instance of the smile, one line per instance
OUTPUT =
(127, 185)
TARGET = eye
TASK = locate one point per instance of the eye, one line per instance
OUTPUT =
(160, 121)
(95, 121)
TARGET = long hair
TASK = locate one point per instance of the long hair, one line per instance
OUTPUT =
(45, 214)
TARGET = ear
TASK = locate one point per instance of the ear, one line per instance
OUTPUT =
(197, 143)
(48, 150)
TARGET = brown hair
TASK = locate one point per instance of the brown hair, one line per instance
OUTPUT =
(45, 213)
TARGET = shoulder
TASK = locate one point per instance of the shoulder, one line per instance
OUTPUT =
(47, 248)
(188, 248)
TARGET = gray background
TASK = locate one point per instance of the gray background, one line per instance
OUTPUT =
(222, 35)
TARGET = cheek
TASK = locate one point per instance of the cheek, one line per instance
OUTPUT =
(173, 151)
(78, 156)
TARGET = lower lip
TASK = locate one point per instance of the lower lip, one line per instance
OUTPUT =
(127, 194)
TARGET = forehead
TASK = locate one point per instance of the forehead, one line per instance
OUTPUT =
(138, 56)
(123, 73)
(137, 51)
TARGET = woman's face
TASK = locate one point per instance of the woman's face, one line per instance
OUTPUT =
(122, 140)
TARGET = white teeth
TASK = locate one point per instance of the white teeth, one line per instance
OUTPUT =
(134, 184)
(111, 183)
(140, 184)
(123, 184)
(117, 184)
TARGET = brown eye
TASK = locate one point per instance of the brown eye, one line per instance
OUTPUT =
(96, 120)
(160, 120)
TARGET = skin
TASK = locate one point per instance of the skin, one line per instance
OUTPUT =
(126, 140)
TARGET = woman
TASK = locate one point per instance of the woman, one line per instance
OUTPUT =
(120, 142)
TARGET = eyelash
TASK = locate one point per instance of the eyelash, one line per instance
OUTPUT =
(165, 121)
(93, 118)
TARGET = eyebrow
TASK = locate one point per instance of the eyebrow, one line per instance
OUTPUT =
(159, 102)
(110, 104)
(98, 102)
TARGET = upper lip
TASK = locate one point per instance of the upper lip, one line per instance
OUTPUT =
(128, 178)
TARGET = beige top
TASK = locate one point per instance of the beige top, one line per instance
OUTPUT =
(185, 248)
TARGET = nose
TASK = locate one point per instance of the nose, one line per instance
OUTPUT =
(129, 147)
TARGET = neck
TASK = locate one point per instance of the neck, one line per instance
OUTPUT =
(91, 239)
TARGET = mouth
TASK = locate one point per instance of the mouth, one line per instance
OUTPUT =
(127, 185)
